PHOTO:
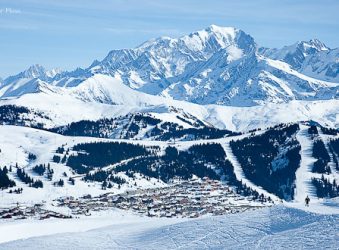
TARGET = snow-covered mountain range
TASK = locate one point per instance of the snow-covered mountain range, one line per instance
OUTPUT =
(312, 58)
(263, 120)
(217, 65)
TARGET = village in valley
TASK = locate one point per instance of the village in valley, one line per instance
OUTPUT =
(185, 199)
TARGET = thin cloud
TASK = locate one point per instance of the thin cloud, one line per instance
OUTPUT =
(10, 11)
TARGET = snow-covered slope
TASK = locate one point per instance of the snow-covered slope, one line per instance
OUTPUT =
(277, 227)
(296, 54)
(312, 58)
(304, 173)
(103, 96)
(17, 142)
(249, 81)
(28, 81)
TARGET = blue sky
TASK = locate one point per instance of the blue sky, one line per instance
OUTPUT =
(67, 34)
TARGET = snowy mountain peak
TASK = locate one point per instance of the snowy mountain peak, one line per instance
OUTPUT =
(215, 37)
(225, 31)
(314, 44)
(53, 72)
(34, 71)
(312, 58)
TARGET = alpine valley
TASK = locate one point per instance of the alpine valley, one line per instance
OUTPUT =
(198, 118)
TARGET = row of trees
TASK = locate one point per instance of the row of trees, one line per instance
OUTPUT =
(129, 126)
(106, 177)
(100, 154)
(19, 116)
(326, 188)
(334, 148)
(104, 128)
(179, 164)
(24, 177)
(320, 153)
(329, 131)
(41, 170)
(5, 182)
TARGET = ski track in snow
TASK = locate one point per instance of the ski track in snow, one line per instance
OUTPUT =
(304, 172)
(278, 227)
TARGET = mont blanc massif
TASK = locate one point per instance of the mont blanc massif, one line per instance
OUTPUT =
(208, 124)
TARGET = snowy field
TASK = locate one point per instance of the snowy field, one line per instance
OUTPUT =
(26, 229)
(278, 227)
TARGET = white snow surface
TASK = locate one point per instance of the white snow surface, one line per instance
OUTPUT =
(278, 227)
(19, 230)
(304, 172)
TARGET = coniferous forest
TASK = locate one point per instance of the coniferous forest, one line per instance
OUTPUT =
(100, 154)
(5, 182)
(320, 153)
(129, 127)
(334, 149)
(201, 160)
(325, 188)
(271, 159)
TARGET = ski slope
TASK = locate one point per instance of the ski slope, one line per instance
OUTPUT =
(24, 229)
(304, 172)
(278, 227)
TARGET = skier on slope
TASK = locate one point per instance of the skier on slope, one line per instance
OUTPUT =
(307, 201)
